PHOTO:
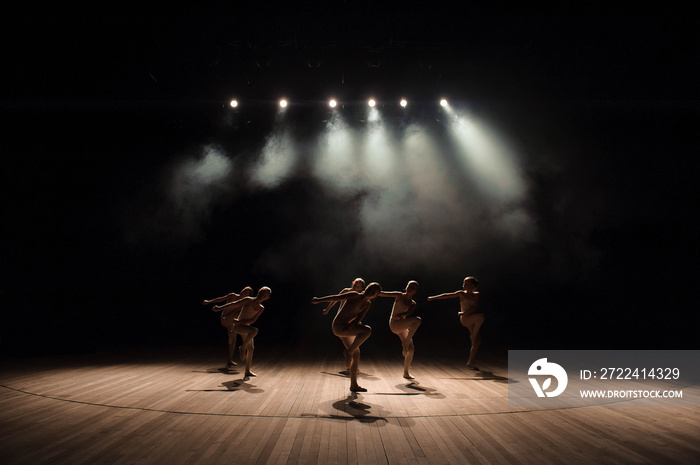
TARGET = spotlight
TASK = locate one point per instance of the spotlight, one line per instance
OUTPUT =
(443, 103)
(283, 103)
(371, 103)
(234, 103)
(332, 103)
(403, 102)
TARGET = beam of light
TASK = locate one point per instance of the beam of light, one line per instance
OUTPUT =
(371, 102)
(486, 158)
(373, 115)
(412, 216)
(210, 169)
(332, 103)
(335, 161)
(283, 103)
(234, 103)
(403, 102)
(379, 155)
(276, 161)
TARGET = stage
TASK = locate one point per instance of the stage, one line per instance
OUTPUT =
(182, 406)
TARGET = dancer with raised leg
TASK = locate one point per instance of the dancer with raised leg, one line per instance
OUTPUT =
(348, 323)
(227, 317)
(402, 323)
(469, 314)
(250, 310)
(357, 285)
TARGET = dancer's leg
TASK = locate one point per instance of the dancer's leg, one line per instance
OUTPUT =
(361, 333)
(246, 350)
(354, 371)
(347, 342)
(473, 323)
(231, 348)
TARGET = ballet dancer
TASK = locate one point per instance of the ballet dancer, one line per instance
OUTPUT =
(402, 323)
(348, 323)
(227, 317)
(357, 285)
(469, 315)
(250, 309)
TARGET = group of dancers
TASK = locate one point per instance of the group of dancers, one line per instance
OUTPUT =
(240, 311)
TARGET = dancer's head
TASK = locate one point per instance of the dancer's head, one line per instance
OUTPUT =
(246, 291)
(470, 283)
(264, 293)
(358, 284)
(372, 290)
(412, 286)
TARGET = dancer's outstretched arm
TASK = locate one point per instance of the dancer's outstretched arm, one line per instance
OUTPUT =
(233, 305)
(446, 295)
(333, 298)
(392, 294)
(231, 295)
(332, 304)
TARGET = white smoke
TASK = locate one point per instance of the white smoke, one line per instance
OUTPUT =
(276, 162)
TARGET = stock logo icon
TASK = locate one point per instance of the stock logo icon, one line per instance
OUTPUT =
(542, 367)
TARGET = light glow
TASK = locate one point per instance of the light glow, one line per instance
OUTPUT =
(371, 103)
(283, 103)
(332, 103)
(403, 102)
(234, 103)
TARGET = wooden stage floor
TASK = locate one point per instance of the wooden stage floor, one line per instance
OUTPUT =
(176, 407)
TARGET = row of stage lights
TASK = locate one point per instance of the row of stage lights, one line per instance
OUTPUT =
(334, 103)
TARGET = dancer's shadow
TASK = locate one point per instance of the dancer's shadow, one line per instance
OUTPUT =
(346, 374)
(480, 375)
(224, 370)
(353, 406)
(233, 386)
(242, 385)
(415, 388)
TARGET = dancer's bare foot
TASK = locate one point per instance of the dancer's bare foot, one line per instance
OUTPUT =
(357, 389)
(472, 366)
(250, 373)
(230, 364)
(345, 372)
(408, 376)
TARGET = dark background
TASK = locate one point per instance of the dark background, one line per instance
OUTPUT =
(601, 103)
